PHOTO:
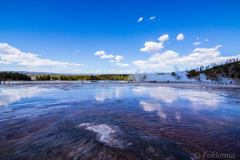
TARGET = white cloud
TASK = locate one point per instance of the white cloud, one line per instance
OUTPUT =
(122, 64)
(107, 56)
(197, 43)
(198, 57)
(162, 58)
(77, 70)
(152, 18)
(140, 19)
(112, 70)
(206, 40)
(152, 47)
(163, 38)
(77, 50)
(99, 70)
(147, 65)
(5, 62)
(126, 71)
(99, 53)
(197, 39)
(103, 55)
(202, 56)
(140, 63)
(119, 58)
(74, 64)
(12, 54)
(112, 61)
(180, 37)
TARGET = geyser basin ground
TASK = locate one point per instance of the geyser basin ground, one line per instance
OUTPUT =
(118, 121)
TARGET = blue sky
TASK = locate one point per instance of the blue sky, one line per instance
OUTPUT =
(63, 36)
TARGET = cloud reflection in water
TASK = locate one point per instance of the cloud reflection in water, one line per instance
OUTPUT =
(152, 105)
(108, 94)
(170, 95)
(11, 95)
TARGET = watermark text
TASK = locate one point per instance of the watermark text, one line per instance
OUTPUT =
(215, 155)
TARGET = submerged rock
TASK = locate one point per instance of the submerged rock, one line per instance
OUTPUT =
(131, 143)
(103, 133)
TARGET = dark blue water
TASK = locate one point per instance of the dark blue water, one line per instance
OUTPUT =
(196, 120)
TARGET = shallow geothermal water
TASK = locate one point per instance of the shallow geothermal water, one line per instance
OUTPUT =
(117, 121)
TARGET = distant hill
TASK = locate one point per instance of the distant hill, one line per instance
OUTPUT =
(37, 73)
(122, 77)
(49, 73)
(230, 70)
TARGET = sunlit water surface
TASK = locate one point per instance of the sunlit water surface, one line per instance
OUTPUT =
(75, 121)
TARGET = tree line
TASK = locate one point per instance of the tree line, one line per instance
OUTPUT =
(230, 68)
(119, 77)
(228, 61)
(14, 76)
